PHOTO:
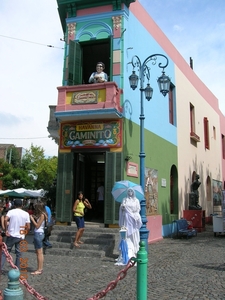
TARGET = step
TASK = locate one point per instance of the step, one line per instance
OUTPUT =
(76, 252)
(87, 228)
(99, 241)
(86, 239)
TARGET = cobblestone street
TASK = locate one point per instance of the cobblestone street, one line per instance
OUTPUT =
(177, 269)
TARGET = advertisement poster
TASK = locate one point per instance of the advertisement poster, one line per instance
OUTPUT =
(217, 192)
(101, 134)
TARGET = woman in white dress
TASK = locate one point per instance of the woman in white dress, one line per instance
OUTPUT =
(129, 217)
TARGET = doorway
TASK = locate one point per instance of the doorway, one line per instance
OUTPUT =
(83, 57)
(83, 171)
(89, 173)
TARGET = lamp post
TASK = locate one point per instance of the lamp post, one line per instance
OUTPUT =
(164, 86)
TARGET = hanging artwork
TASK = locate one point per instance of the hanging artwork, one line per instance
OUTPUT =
(151, 191)
(217, 192)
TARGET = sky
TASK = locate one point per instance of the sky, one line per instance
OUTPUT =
(30, 72)
(197, 29)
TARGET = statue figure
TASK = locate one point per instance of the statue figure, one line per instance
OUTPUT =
(194, 195)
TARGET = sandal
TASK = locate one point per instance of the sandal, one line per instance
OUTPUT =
(80, 242)
(76, 245)
(37, 272)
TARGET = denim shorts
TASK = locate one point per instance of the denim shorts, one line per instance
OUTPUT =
(79, 221)
(38, 240)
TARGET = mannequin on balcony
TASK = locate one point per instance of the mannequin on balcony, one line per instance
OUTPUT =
(99, 76)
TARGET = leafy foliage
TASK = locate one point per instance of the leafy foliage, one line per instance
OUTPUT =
(34, 171)
(13, 156)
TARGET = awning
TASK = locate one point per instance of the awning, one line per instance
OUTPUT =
(21, 193)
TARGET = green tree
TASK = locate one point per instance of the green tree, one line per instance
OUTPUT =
(34, 172)
(15, 177)
(13, 156)
(42, 169)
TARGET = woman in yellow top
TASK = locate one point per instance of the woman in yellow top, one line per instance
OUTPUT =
(78, 210)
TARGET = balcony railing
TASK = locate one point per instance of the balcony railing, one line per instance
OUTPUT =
(194, 136)
(89, 101)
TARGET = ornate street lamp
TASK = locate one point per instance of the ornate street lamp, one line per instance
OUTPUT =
(164, 86)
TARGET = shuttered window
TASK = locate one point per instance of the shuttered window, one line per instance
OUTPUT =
(171, 106)
(64, 190)
(74, 64)
(206, 132)
(223, 146)
(113, 173)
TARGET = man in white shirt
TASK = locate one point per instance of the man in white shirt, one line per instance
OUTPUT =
(19, 225)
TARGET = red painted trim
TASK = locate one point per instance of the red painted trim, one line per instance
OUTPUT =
(116, 69)
(94, 10)
(112, 97)
(117, 33)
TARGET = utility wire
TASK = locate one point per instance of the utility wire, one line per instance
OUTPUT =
(51, 46)
(30, 138)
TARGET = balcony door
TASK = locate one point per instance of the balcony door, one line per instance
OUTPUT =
(83, 58)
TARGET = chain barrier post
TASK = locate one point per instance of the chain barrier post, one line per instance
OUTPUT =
(142, 269)
(13, 291)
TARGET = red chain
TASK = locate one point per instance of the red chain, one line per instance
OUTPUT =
(29, 288)
(113, 283)
(121, 275)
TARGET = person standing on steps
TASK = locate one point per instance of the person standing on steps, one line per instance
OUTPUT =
(78, 210)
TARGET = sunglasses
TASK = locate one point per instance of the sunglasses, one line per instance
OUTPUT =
(100, 66)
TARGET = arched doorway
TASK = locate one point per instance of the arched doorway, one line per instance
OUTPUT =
(173, 190)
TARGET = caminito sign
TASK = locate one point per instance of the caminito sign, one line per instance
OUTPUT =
(100, 134)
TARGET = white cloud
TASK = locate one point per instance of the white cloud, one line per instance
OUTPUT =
(178, 28)
(29, 71)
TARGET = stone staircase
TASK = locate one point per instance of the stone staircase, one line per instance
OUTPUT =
(98, 241)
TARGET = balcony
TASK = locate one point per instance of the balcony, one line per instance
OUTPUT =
(194, 137)
(53, 125)
(99, 101)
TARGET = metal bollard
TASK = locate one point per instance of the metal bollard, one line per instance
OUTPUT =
(13, 291)
(142, 272)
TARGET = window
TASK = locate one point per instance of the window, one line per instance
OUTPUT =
(206, 132)
(193, 135)
(223, 146)
(192, 117)
(172, 105)
(82, 60)
(214, 132)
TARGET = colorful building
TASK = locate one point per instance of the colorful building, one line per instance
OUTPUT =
(97, 125)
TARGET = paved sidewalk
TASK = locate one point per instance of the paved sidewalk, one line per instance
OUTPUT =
(177, 269)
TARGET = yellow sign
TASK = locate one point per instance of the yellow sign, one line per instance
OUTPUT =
(87, 97)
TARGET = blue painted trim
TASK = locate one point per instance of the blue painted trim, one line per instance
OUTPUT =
(83, 30)
(117, 44)
(116, 79)
(93, 112)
